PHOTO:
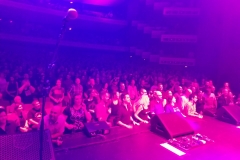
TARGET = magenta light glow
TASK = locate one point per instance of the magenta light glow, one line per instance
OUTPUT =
(238, 127)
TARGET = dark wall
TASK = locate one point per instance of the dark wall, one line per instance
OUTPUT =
(219, 40)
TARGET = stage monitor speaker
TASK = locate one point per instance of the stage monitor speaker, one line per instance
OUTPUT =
(26, 146)
(229, 114)
(170, 125)
(95, 128)
(210, 112)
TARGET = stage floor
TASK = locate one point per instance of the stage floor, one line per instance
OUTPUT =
(142, 144)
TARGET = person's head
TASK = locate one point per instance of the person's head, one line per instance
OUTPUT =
(193, 98)
(77, 100)
(188, 92)
(105, 97)
(179, 89)
(169, 93)
(193, 89)
(122, 86)
(36, 104)
(160, 87)
(58, 83)
(158, 95)
(91, 82)
(55, 112)
(213, 89)
(226, 85)
(77, 81)
(116, 95)
(17, 100)
(125, 98)
(93, 93)
(3, 116)
(105, 85)
(225, 92)
(143, 91)
(132, 82)
(200, 94)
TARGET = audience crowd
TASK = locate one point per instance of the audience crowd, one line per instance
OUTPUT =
(98, 88)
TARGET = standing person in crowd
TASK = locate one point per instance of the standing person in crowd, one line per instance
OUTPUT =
(124, 116)
(76, 115)
(11, 89)
(55, 123)
(190, 108)
(26, 91)
(56, 94)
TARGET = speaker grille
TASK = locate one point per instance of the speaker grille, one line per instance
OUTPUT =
(25, 146)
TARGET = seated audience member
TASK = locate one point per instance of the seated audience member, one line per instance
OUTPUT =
(132, 90)
(141, 113)
(167, 95)
(113, 107)
(102, 108)
(231, 97)
(3, 102)
(26, 91)
(210, 100)
(76, 115)
(190, 109)
(224, 99)
(178, 93)
(122, 89)
(91, 102)
(56, 94)
(12, 89)
(105, 88)
(76, 89)
(171, 105)
(238, 101)
(7, 126)
(200, 102)
(34, 116)
(156, 105)
(124, 117)
(16, 103)
(55, 123)
(184, 99)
